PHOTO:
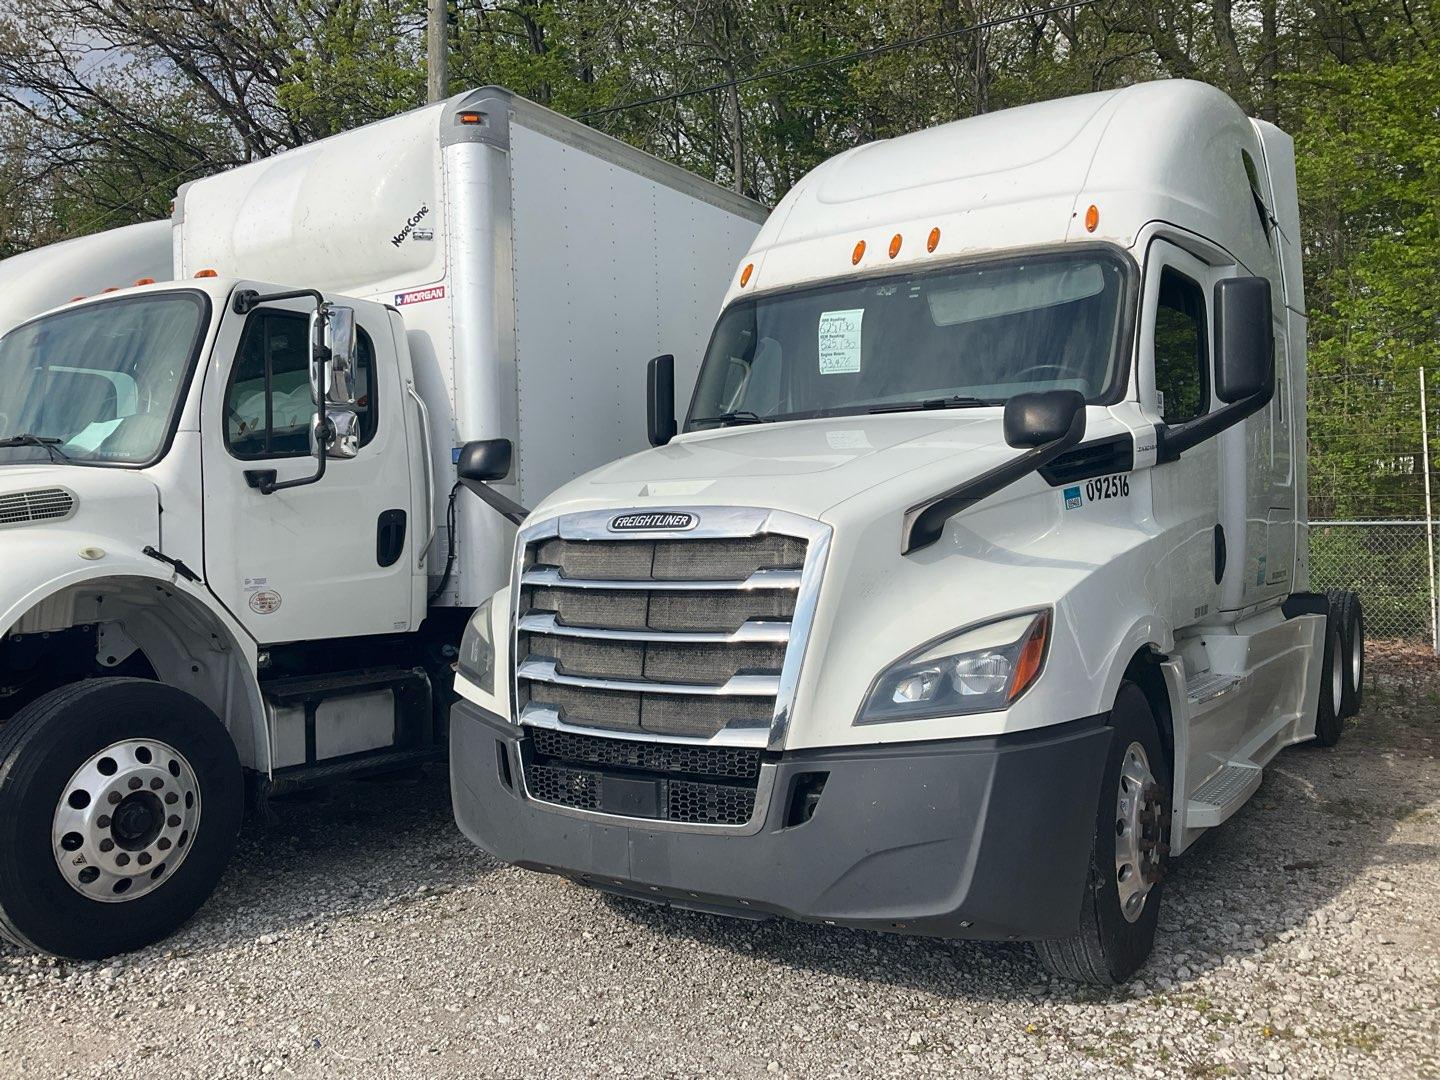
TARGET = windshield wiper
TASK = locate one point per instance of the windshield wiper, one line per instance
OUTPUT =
(739, 416)
(49, 443)
(956, 402)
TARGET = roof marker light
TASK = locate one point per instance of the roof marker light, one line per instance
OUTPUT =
(110, 288)
(206, 273)
(895, 243)
(934, 241)
(470, 118)
(75, 299)
(745, 274)
(145, 281)
(1092, 218)
(858, 253)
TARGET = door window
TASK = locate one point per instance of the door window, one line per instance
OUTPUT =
(268, 406)
(1182, 367)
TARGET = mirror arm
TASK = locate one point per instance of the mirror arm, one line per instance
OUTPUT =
(509, 509)
(246, 301)
(1171, 442)
(925, 521)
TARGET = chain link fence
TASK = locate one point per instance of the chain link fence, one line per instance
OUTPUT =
(1388, 564)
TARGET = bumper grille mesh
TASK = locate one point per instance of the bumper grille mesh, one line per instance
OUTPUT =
(716, 761)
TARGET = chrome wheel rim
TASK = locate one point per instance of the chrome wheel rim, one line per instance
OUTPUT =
(1138, 808)
(1357, 657)
(1337, 672)
(126, 820)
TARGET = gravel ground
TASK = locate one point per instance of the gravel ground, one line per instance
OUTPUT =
(363, 936)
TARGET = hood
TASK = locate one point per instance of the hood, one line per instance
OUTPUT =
(92, 505)
(807, 467)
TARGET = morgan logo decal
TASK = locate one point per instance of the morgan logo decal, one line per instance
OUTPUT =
(410, 223)
(667, 522)
(419, 296)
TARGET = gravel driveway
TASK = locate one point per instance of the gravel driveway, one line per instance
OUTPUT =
(363, 936)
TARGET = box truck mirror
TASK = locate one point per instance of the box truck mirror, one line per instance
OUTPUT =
(336, 338)
(1244, 365)
(1045, 424)
(483, 461)
(660, 400)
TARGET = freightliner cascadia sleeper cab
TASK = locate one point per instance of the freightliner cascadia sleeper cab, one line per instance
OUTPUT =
(220, 566)
(975, 586)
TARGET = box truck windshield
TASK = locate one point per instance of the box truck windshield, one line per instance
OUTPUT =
(98, 383)
(967, 334)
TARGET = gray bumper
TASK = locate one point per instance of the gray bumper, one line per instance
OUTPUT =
(983, 838)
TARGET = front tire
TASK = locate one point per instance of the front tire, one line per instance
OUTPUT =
(120, 802)
(1121, 906)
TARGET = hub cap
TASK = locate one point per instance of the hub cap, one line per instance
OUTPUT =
(1138, 825)
(126, 820)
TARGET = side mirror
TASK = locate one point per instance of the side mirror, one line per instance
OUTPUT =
(660, 400)
(335, 355)
(1042, 417)
(1244, 338)
(485, 460)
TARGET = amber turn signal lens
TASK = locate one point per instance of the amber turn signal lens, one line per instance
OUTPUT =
(1092, 218)
(145, 281)
(206, 273)
(858, 253)
(934, 241)
(745, 274)
(1032, 654)
(471, 118)
(895, 245)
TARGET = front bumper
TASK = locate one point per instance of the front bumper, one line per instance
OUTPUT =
(979, 838)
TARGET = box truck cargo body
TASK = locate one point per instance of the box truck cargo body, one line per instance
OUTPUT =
(236, 541)
(974, 587)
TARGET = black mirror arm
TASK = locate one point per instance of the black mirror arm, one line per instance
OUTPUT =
(925, 521)
(1171, 442)
(509, 509)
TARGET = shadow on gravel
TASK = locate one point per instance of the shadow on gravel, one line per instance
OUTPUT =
(1321, 819)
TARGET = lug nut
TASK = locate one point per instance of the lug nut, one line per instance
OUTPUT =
(163, 844)
(136, 783)
(113, 798)
(143, 858)
(103, 821)
(122, 859)
(171, 798)
(173, 821)
(156, 783)
(107, 844)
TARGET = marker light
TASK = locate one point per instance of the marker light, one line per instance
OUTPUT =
(206, 273)
(934, 241)
(110, 288)
(745, 274)
(895, 242)
(1092, 218)
(470, 118)
(75, 299)
(145, 281)
(858, 253)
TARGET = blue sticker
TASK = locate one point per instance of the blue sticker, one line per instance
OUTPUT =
(455, 456)
(1073, 501)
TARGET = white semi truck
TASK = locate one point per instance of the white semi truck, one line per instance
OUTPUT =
(974, 588)
(233, 541)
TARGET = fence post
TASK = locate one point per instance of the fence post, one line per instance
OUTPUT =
(1429, 516)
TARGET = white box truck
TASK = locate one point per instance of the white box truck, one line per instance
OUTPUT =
(46, 277)
(220, 564)
(975, 587)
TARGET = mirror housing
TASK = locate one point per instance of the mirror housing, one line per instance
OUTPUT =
(660, 400)
(485, 460)
(1244, 339)
(1041, 417)
(341, 431)
(334, 355)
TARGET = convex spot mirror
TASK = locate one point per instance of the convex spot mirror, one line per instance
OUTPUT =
(1244, 339)
(485, 460)
(1042, 417)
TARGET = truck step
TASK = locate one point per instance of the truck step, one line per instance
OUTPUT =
(352, 768)
(1222, 794)
(1205, 689)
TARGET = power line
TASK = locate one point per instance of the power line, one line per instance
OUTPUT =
(847, 58)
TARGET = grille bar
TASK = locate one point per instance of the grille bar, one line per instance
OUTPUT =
(761, 579)
(775, 631)
(736, 686)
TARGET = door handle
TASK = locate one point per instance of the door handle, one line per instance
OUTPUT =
(389, 537)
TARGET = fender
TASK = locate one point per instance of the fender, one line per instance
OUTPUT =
(1148, 631)
(52, 578)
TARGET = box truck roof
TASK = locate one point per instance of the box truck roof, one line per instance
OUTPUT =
(1174, 151)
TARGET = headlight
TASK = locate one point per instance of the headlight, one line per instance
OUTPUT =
(982, 669)
(477, 650)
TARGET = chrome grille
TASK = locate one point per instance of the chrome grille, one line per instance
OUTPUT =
(676, 636)
(42, 504)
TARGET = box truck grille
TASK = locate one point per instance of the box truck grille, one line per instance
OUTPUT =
(664, 781)
(43, 504)
(677, 637)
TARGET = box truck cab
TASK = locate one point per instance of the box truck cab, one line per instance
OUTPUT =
(234, 541)
(974, 587)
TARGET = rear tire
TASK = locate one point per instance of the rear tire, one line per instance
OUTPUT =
(1120, 908)
(120, 802)
(1352, 638)
(1329, 710)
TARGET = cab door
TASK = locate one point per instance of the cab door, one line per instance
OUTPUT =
(1175, 386)
(329, 559)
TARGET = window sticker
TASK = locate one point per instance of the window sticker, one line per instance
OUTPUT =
(840, 341)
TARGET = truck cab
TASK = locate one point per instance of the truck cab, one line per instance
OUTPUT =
(971, 587)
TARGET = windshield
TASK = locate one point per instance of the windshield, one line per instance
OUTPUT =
(973, 334)
(99, 383)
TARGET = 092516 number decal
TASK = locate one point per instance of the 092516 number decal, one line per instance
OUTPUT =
(1116, 486)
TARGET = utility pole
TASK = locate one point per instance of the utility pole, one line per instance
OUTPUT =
(436, 59)
(1429, 515)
